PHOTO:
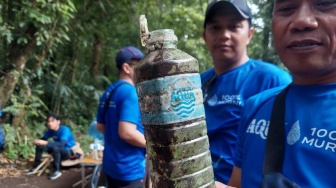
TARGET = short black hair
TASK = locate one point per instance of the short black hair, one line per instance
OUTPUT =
(55, 116)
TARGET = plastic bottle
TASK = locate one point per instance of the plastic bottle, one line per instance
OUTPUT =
(98, 137)
(171, 103)
(96, 147)
(94, 133)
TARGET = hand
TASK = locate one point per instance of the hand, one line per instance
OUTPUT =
(39, 142)
(221, 185)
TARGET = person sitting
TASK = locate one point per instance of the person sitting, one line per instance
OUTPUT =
(60, 148)
(2, 133)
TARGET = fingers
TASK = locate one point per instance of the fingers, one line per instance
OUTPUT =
(221, 185)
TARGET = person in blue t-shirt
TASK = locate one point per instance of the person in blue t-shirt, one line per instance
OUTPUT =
(304, 34)
(119, 119)
(233, 79)
(2, 133)
(60, 147)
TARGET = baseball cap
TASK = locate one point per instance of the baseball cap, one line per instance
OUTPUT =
(240, 5)
(127, 53)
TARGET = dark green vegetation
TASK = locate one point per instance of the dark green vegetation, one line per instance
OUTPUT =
(58, 56)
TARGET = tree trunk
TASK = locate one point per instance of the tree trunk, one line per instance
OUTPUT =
(96, 56)
(19, 119)
(18, 56)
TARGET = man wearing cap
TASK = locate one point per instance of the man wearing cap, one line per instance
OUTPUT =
(119, 120)
(233, 79)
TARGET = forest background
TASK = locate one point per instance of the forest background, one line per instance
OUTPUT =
(59, 56)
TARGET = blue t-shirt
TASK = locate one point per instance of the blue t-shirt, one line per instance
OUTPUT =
(62, 135)
(224, 98)
(2, 133)
(2, 138)
(310, 136)
(121, 160)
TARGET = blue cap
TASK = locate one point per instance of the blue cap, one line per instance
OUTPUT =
(240, 5)
(127, 53)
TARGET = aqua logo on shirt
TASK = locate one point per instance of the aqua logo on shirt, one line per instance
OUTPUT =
(259, 127)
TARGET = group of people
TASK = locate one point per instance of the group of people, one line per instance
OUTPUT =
(239, 93)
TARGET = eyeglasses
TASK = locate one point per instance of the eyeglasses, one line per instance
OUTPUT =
(208, 84)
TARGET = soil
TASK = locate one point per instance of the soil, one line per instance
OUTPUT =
(12, 175)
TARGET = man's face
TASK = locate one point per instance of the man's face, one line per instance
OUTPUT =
(132, 65)
(53, 123)
(226, 35)
(304, 34)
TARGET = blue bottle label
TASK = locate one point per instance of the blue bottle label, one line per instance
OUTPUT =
(171, 99)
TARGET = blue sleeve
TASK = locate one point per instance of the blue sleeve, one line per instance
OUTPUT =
(237, 157)
(272, 76)
(47, 135)
(128, 106)
(281, 78)
(65, 134)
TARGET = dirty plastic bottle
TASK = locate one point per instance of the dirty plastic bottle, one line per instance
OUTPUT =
(171, 103)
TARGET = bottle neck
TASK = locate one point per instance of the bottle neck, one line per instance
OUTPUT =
(162, 45)
(161, 39)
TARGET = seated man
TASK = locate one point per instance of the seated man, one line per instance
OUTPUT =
(60, 148)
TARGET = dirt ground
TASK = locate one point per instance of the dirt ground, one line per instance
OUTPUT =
(12, 175)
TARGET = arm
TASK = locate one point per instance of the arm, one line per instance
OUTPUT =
(128, 132)
(60, 144)
(40, 142)
(235, 179)
(44, 140)
(221, 185)
(100, 127)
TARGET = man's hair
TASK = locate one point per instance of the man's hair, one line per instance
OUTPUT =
(55, 116)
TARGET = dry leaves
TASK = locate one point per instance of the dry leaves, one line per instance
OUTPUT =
(9, 168)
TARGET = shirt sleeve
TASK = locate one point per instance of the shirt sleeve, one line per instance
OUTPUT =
(46, 135)
(237, 157)
(128, 106)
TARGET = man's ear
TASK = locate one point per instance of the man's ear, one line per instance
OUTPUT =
(203, 35)
(126, 68)
(250, 35)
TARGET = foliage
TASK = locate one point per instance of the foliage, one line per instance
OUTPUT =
(14, 147)
(262, 44)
